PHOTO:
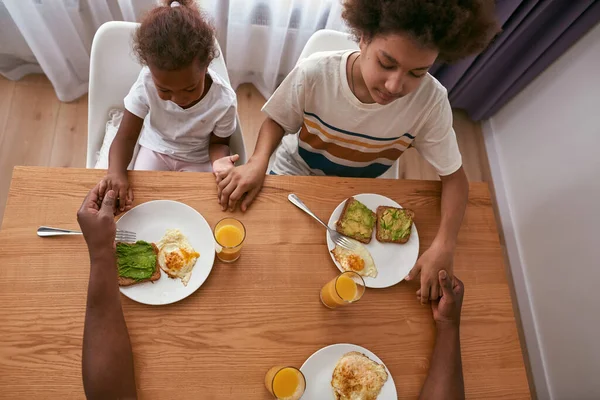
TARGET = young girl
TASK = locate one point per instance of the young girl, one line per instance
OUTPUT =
(184, 112)
(353, 113)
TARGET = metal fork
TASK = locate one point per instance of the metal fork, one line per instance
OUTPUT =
(121, 236)
(340, 240)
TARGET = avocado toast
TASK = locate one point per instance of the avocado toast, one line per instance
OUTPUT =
(356, 221)
(137, 262)
(394, 225)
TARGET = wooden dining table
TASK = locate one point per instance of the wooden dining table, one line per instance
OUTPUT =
(261, 311)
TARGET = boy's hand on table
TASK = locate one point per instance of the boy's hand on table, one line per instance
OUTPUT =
(429, 265)
(446, 312)
(224, 164)
(118, 182)
(245, 180)
(96, 219)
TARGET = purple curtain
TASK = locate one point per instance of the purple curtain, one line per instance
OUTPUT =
(534, 34)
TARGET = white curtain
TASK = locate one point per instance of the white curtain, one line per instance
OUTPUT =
(261, 39)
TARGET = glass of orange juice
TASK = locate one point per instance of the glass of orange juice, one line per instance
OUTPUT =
(229, 236)
(346, 288)
(285, 383)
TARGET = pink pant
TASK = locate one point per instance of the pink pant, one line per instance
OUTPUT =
(148, 160)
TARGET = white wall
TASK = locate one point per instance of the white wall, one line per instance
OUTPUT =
(544, 150)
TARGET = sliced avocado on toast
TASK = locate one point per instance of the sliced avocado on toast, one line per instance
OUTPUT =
(394, 225)
(357, 221)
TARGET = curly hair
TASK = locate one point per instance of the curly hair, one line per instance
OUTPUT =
(455, 28)
(171, 38)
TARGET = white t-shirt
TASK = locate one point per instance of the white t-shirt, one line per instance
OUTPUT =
(183, 134)
(334, 133)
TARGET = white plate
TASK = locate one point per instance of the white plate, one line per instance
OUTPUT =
(150, 221)
(393, 261)
(318, 369)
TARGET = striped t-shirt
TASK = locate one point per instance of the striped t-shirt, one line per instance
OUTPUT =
(332, 133)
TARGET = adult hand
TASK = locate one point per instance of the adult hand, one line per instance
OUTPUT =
(224, 164)
(97, 221)
(246, 180)
(118, 182)
(435, 259)
(446, 311)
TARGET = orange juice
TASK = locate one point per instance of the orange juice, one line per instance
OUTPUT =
(229, 235)
(285, 383)
(346, 288)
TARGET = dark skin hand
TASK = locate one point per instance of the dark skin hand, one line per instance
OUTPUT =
(445, 377)
(107, 358)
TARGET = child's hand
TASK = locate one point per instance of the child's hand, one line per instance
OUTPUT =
(224, 164)
(431, 262)
(246, 180)
(120, 184)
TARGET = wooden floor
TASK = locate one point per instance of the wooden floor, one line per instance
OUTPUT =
(37, 129)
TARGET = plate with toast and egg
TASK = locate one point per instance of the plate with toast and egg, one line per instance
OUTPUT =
(389, 241)
(347, 371)
(173, 256)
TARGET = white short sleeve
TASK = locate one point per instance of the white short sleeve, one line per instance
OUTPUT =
(436, 140)
(286, 105)
(226, 126)
(136, 101)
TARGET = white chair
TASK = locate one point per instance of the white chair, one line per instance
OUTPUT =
(113, 70)
(329, 40)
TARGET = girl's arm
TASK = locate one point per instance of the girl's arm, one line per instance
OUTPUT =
(119, 157)
(122, 147)
(219, 153)
(248, 179)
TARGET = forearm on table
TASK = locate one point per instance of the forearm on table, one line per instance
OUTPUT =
(455, 194)
(445, 377)
(107, 359)
(269, 137)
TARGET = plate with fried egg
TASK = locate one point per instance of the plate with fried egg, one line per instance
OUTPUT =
(186, 251)
(380, 264)
(347, 371)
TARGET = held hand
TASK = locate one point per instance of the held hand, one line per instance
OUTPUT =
(120, 184)
(224, 164)
(246, 180)
(97, 221)
(446, 312)
(435, 259)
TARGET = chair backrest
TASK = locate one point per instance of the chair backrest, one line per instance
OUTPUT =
(329, 40)
(113, 70)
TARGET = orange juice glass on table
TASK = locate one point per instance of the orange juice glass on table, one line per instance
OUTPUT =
(346, 288)
(285, 383)
(229, 236)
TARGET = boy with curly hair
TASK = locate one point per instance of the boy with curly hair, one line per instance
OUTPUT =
(353, 113)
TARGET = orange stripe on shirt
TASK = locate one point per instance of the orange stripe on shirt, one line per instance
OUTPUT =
(345, 153)
(316, 126)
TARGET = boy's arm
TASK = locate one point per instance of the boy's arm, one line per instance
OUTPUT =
(440, 255)
(248, 179)
(107, 359)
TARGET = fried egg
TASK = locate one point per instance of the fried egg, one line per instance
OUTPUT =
(176, 256)
(357, 377)
(360, 261)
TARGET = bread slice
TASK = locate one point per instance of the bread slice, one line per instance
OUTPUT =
(394, 225)
(357, 221)
(155, 276)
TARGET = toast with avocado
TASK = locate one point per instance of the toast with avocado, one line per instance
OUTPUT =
(394, 225)
(357, 221)
(137, 262)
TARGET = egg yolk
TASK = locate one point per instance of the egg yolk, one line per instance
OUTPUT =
(356, 262)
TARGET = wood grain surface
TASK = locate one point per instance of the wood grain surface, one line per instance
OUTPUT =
(261, 311)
